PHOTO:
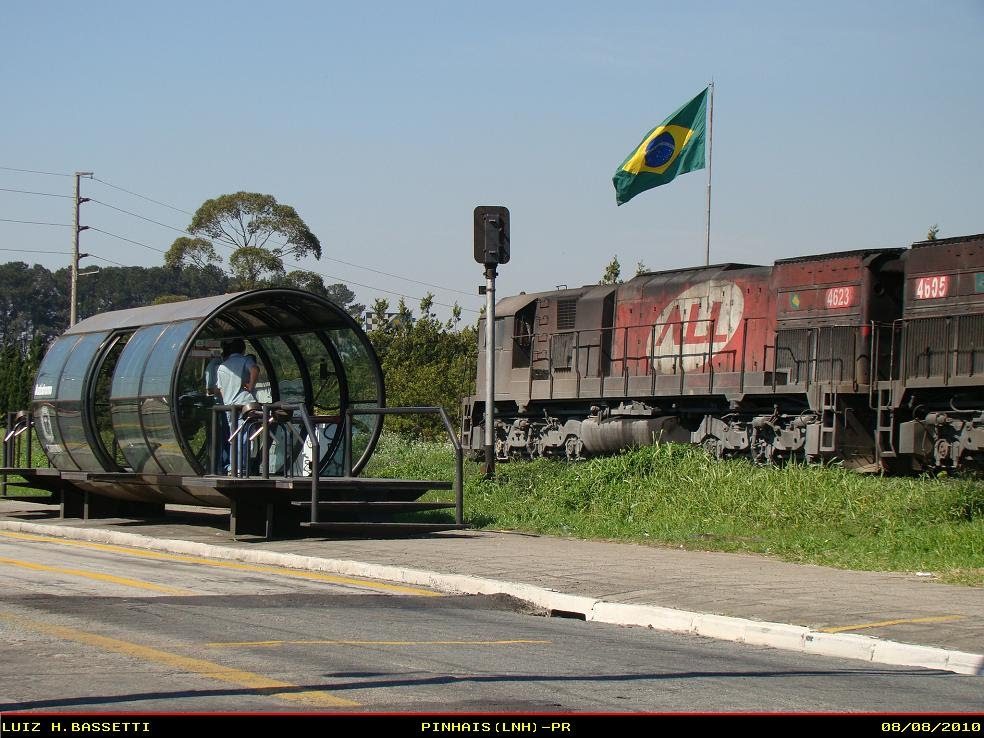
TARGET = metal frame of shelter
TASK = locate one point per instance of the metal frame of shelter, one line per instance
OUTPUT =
(123, 392)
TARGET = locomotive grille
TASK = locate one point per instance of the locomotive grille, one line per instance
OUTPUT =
(970, 345)
(836, 354)
(793, 352)
(566, 314)
(817, 354)
(925, 347)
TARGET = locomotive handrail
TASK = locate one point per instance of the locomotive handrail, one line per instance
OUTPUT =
(459, 501)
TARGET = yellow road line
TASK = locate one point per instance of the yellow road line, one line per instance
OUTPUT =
(122, 581)
(332, 578)
(247, 679)
(937, 619)
(231, 644)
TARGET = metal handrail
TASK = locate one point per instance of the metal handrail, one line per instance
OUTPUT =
(296, 412)
(459, 495)
(15, 445)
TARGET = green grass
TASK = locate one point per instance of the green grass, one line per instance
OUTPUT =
(677, 496)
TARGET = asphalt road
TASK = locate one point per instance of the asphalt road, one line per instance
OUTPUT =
(93, 627)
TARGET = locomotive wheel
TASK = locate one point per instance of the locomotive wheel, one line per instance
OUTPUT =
(712, 446)
(572, 448)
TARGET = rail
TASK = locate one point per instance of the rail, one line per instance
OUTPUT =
(459, 497)
(17, 446)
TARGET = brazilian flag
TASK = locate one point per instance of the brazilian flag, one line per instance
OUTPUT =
(675, 146)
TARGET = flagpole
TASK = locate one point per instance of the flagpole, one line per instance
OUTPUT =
(710, 150)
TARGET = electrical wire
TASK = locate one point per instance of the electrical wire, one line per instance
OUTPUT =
(35, 171)
(128, 240)
(103, 258)
(137, 215)
(31, 192)
(37, 251)
(34, 222)
(143, 197)
(235, 245)
(299, 266)
(66, 253)
(227, 243)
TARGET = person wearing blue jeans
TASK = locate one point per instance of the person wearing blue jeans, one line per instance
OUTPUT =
(235, 379)
(219, 448)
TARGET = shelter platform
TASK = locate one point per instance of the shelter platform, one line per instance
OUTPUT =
(267, 506)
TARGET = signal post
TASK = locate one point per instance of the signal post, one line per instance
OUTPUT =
(491, 249)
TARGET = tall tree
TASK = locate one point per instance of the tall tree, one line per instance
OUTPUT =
(425, 362)
(261, 232)
(613, 272)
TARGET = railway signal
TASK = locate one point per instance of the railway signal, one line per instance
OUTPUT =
(491, 249)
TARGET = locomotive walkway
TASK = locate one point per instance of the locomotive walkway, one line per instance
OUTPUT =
(890, 618)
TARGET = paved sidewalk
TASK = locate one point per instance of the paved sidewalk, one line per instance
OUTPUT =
(894, 618)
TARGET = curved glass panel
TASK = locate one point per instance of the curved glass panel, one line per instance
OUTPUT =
(71, 386)
(45, 394)
(155, 405)
(195, 404)
(290, 379)
(364, 390)
(125, 400)
(99, 396)
(327, 385)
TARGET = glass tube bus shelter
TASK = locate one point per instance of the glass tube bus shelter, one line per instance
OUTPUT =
(121, 396)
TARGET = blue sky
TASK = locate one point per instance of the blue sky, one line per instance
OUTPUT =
(837, 125)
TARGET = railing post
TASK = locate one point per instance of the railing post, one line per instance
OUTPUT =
(265, 440)
(577, 363)
(214, 443)
(234, 441)
(650, 359)
(459, 466)
(6, 457)
(315, 466)
(347, 444)
(29, 461)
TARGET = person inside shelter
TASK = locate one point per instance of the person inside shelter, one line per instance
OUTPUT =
(234, 381)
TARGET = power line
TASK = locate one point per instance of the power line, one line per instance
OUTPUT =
(103, 258)
(179, 230)
(233, 244)
(31, 192)
(128, 240)
(299, 266)
(37, 251)
(137, 215)
(64, 253)
(143, 197)
(35, 222)
(35, 171)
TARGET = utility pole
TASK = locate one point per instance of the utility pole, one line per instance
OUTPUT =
(74, 298)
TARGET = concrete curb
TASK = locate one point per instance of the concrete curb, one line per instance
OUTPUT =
(738, 630)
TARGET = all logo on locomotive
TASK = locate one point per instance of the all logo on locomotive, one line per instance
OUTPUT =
(874, 358)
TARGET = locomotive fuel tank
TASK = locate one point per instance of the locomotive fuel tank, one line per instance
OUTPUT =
(629, 425)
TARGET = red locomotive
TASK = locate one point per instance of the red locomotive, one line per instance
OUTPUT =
(872, 357)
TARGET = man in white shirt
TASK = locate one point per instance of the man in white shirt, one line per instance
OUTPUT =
(236, 375)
